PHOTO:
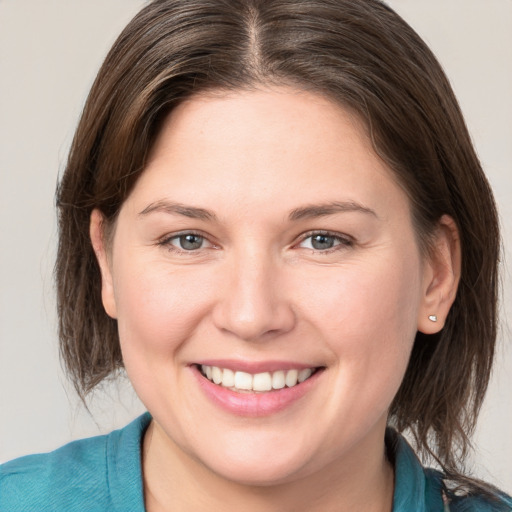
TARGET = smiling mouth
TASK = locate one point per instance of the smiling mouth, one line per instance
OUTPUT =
(243, 382)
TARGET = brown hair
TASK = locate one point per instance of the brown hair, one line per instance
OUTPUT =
(357, 52)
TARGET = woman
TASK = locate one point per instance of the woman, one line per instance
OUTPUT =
(268, 219)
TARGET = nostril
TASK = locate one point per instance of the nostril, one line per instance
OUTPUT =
(254, 320)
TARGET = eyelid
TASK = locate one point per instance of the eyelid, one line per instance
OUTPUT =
(344, 239)
(165, 241)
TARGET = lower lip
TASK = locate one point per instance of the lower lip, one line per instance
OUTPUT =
(254, 404)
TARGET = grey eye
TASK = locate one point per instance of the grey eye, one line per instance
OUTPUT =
(321, 242)
(190, 242)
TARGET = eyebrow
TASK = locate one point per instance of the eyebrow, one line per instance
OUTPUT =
(178, 209)
(322, 210)
(305, 212)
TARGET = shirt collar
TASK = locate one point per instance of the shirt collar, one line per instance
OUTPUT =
(413, 489)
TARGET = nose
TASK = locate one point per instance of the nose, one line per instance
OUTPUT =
(253, 304)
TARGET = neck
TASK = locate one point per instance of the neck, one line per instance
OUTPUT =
(173, 480)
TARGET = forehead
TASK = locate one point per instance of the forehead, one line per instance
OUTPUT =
(255, 147)
(291, 118)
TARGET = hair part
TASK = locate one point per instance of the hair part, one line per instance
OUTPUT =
(363, 56)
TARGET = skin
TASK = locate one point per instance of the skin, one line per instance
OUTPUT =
(257, 290)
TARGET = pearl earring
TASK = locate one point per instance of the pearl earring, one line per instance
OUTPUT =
(432, 318)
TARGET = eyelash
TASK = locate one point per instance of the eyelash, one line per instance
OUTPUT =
(166, 242)
(341, 242)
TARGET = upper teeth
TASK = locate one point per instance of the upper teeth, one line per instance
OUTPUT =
(265, 381)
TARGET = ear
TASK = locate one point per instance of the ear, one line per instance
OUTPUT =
(441, 275)
(97, 234)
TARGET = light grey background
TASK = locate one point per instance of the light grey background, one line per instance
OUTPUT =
(50, 51)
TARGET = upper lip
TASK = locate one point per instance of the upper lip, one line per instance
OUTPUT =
(255, 367)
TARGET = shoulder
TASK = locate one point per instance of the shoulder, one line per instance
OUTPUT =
(499, 502)
(480, 504)
(424, 490)
(79, 473)
(57, 479)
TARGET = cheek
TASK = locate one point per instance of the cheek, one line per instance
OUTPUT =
(357, 298)
(157, 308)
(368, 317)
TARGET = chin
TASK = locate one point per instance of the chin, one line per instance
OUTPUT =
(257, 457)
(258, 473)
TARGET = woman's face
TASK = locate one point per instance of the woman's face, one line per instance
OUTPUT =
(264, 244)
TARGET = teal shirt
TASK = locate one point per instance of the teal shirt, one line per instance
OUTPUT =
(103, 474)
